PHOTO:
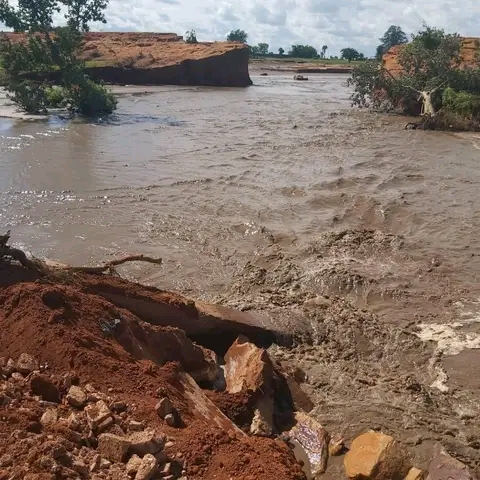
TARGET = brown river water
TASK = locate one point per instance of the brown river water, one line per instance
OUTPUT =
(265, 197)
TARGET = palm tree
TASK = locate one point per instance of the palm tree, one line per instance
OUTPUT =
(324, 49)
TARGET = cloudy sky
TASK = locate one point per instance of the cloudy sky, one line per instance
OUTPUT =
(281, 23)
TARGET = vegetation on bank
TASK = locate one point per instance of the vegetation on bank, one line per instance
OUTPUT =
(432, 83)
(262, 50)
(28, 65)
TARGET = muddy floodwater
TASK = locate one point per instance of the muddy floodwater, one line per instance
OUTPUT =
(283, 199)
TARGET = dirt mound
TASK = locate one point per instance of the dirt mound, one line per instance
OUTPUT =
(78, 338)
(162, 58)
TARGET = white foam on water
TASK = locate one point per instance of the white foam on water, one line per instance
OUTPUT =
(451, 339)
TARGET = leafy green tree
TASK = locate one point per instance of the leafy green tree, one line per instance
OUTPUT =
(191, 36)
(349, 54)
(303, 51)
(49, 51)
(281, 51)
(253, 49)
(237, 36)
(324, 51)
(431, 81)
(263, 48)
(393, 36)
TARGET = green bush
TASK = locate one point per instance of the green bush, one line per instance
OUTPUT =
(56, 97)
(462, 103)
(91, 99)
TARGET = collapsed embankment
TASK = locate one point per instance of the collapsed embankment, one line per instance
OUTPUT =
(100, 378)
(162, 59)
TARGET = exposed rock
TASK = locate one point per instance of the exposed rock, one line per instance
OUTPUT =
(376, 456)
(312, 438)
(262, 422)
(17, 377)
(73, 421)
(147, 467)
(170, 420)
(113, 447)
(79, 466)
(49, 418)
(336, 445)
(249, 368)
(145, 442)
(105, 464)
(119, 407)
(445, 467)
(203, 408)
(216, 326)
(97, 413)
(105, 425)
(133, 465)
(45, 388)
(76, 397)
(164, 407)
(95, 464)
(9, 368)
(135, 426)
(414, 474)
(297, 399)
(27, 364)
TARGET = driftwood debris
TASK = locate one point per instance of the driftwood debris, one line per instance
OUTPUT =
(43, 269)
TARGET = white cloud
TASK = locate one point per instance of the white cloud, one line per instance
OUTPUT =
(281, 23)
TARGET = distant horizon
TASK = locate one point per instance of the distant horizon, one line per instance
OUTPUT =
(338, 24)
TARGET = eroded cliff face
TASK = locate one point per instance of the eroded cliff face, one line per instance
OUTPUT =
(470, 52)
(162, 59)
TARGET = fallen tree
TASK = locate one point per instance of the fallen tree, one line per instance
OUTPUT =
(433, 83)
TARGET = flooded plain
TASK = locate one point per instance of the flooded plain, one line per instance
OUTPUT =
(271, 198)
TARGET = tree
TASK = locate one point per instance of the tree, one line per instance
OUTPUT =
(237, 36)
(349, 54)
(253, 49)
(432, 82)
(324, 50)
(263, 48)
(191, 36)
(303, 51)
(281, 51)
(48, 51)
(393, 36)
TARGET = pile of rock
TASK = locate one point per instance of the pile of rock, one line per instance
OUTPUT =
(74, 431)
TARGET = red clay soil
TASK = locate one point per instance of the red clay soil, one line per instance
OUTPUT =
(69, 330)
(143, 49)
(470, 52)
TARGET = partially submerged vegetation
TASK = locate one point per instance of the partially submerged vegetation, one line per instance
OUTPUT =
(28, 65)
(433, 83)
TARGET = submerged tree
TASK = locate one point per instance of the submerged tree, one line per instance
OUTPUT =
(51, 52)
(430, 81)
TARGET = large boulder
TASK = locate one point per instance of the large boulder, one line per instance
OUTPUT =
(445, 467)
(249, 368)
(310, 441)
(375, 456)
